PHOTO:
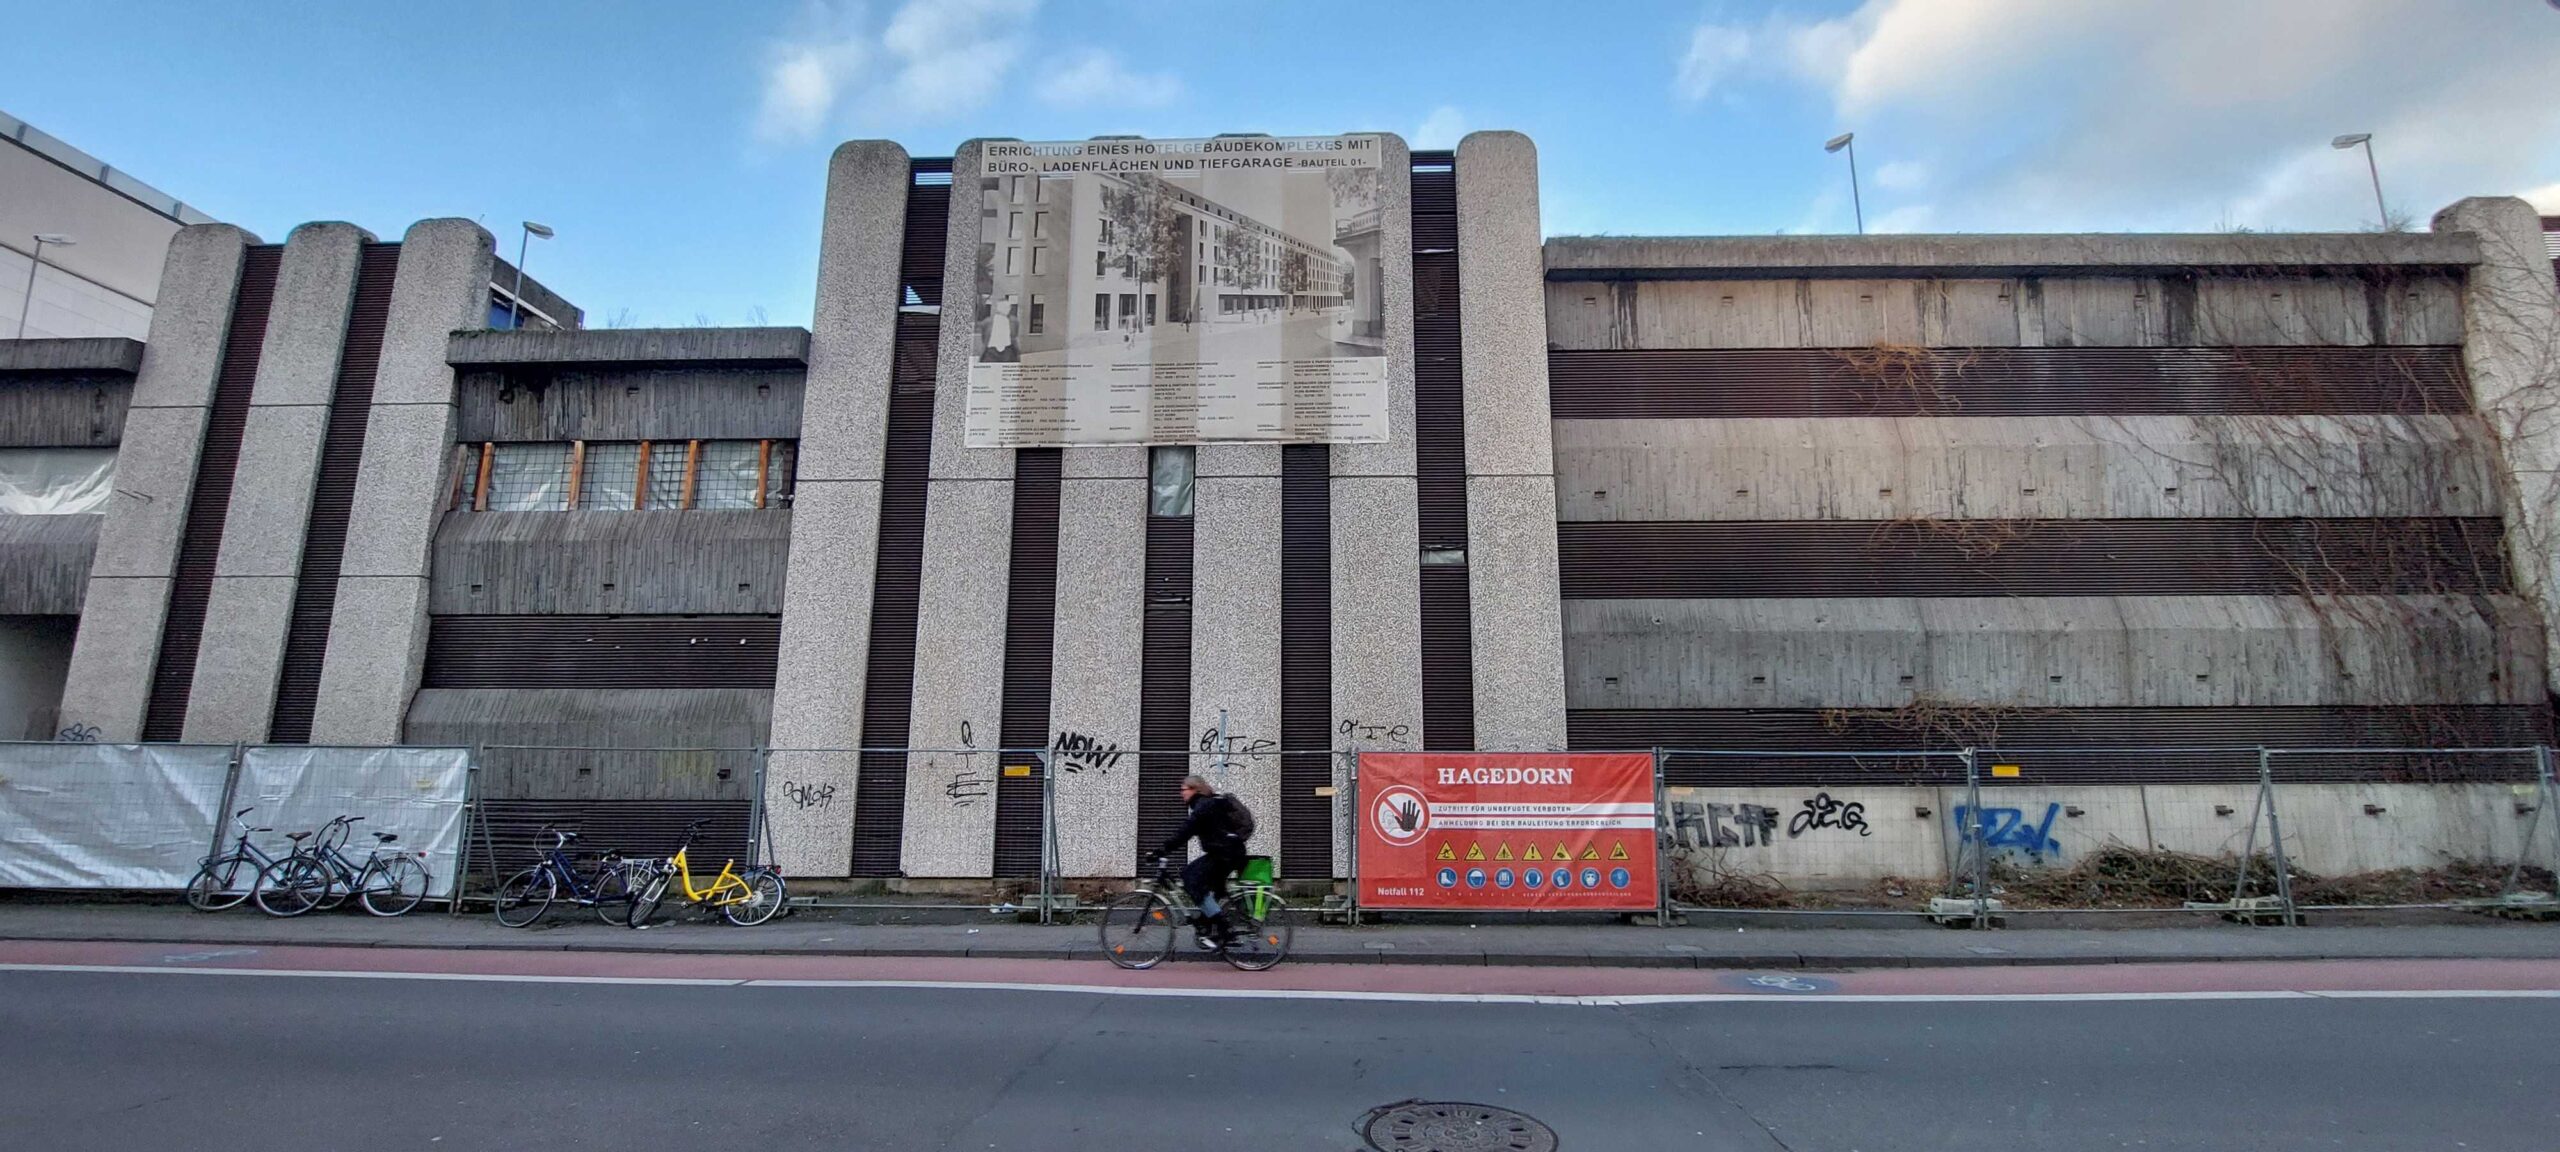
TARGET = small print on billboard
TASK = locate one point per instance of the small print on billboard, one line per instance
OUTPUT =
(1527, 830)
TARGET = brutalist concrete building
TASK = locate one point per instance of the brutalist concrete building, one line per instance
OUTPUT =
(1715, 493)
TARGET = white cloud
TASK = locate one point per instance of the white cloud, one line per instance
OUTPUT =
(931, 60)
(1443, 128)
(2545, 199)
(1901, 175)
(2174, 114)
(1096, 77)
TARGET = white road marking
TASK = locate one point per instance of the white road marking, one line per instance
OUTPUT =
(1639, 1000)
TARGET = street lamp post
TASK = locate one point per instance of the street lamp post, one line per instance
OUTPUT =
(56, 239)
(1848, 140)
(2365, 139)
(515, 299)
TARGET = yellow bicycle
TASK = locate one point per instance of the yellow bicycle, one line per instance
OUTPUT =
(743, 896)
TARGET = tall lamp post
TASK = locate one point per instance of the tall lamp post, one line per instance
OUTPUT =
(1848, 140)
(56, 239)
(515, 299)
(2365, 139)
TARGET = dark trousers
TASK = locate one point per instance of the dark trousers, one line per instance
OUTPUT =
(1209, 873)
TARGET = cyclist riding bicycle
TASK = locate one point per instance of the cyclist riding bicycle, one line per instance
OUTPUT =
(1223, 825)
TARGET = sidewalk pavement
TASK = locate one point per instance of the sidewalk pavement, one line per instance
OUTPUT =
(1704, 944)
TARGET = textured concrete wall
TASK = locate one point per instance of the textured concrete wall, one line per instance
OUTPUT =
(1095, 653)
(378, 631)
(1235, 627)
(2043, 467)
(653, 563)
(835, 530)
(1741, 257)
(251, 606)
(35, 654)
(613, 744)
(137, 554)
(2052, 651)
(2511, 315)
(1511, 491)
(45, 562)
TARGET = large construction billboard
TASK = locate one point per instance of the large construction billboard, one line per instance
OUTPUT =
(1179, 292)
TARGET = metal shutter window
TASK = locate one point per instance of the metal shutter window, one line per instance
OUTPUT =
(1306, 660)
(1030, 628)
(1440, 460)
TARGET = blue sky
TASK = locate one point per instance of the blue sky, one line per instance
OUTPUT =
(680, 149)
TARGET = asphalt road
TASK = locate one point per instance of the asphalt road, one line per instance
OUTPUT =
(133, 1060)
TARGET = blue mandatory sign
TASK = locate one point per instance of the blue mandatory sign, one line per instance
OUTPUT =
(1618, 877)
(1563, 878)
(1501, 877)
(1475, 877)
(1448, 877)
(1590, 877)
(1533, 879)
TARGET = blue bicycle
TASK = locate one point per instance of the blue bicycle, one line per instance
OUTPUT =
(528, 894)
(225, 879)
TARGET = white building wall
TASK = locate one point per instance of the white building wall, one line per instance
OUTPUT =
(101, 286)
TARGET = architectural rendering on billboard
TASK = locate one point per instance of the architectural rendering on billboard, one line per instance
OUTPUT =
(1179, 292)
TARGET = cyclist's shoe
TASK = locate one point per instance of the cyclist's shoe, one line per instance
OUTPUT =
(1208, 941)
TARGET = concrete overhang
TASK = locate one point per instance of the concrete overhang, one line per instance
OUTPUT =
(114, 354)
(2081, 254)
(630, 347)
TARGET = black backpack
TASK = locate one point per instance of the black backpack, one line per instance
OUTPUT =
(1240, 818)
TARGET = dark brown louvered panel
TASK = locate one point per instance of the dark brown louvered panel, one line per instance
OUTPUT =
(2074, 746)
(1765, 382)
(1030, 627)
(2438, 555)
(639, 828)
(324, 542)
(888, 686)
(1306, 660)
(182, 631)
(602, 651)
(1164, 681)
(1440, 465)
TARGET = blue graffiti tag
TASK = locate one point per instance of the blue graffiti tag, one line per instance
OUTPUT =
(2007, 829)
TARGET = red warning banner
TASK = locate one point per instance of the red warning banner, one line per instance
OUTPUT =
(1520, 830)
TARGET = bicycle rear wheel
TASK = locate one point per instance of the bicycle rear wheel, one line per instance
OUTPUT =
(1260, 936)
(613, 895)
(648, 890)
(1138, 930)
(526, 896)
(292, 886)
(213, 888)
(395, 888)
(764, 898)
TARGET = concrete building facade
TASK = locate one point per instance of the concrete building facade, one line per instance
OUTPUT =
(1737, 494)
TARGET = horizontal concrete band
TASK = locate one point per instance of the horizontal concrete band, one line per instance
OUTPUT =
(1856, 836)
(628, 345)
(1942, 307)
(1707, 255)
(108, 354)
(2040, 467)
(2060, 652)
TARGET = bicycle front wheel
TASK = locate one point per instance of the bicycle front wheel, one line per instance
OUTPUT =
(1138, 930)
(613, 895)
(395, 888)
(292, 886)
(1260, 931)
(213, 888)
(764, 898)
(525, 897)
(647, 890)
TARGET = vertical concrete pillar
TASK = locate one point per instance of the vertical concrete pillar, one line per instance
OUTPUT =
(242, 656)
(835, 513)
(1235, 624)
(378, 631)
(1096, 649)
(2511, 348)
(109, 681)
(1517, 619)
(1377, 539)
(960, 606)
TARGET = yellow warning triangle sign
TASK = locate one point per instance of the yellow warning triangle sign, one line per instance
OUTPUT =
(1618, 851)
(1475, 851)
(1503, 853)
(1562, 852)
(1446, 852)
(1531, 854)
(1591, 852)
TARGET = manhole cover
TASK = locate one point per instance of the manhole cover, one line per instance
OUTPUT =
(1427, 1126)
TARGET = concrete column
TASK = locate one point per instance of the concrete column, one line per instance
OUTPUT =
(960, 610)
(137, 557)
(1095, 661)
(1377, 541)
(378, 631)
(835, 517)
(262, 535)
(1517, 620)
(1235, 624)
(2511, 347)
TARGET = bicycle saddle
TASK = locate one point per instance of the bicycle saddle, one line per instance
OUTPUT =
(385, 837)
(297, 836)
(262, 829)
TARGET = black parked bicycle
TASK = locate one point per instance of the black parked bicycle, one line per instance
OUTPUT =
(226, 878)
(389, 882)
(528, 894)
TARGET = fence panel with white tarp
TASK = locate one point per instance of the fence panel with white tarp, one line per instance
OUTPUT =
(417, 794)
(108, 815)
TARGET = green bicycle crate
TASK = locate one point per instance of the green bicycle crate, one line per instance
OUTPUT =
(1257, 872)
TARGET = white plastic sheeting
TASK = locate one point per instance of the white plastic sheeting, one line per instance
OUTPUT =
(107, 815)
(56, 481)
(417, 794)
